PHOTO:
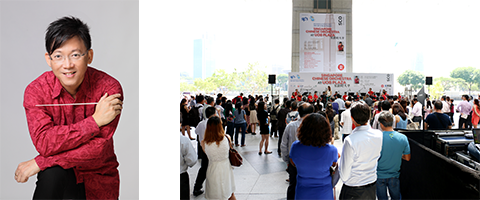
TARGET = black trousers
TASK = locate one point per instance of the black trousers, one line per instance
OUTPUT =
(462, 121)
(362, 192)
(58, 183)
(184, 186)
(202, 172)
(292, 176)
(274, 127)
(281, 130)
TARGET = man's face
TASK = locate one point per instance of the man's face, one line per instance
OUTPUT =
(70, 71)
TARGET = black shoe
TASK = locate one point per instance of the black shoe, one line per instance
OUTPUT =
(267, 152)
(197, 192)
(259, 153)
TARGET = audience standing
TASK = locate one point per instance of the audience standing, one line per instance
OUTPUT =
(263, 119)
(187, 159)
(358, 162)
(202, 172)
(274, 117)
(184, 110)
(395, 147)
(313, 156)
(220, 182)
(253, 115)
(240, 123)
(437, 120)
(289, 137)
(346, 121)
(475, 113)
(464, 108)
(282, 123)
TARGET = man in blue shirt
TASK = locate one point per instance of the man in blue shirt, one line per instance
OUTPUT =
(395, 147)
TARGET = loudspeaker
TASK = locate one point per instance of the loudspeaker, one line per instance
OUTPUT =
(271, 79)
(428, 80)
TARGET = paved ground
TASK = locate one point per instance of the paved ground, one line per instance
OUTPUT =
(260, 176)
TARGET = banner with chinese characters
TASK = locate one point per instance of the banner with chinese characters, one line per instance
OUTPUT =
(322, 42)
(340, 82)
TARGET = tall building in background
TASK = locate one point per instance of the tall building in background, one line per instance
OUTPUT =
(204, 56)
(418, 63)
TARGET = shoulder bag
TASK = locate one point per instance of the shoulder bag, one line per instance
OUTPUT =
(412, 125)
(235, 159)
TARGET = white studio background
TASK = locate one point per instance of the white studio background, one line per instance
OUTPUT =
(114, 28)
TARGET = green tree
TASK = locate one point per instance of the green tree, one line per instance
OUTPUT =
(252, 80)
(282, 80)
(469, 74)
(204, 86)
(436, 90)
(185, 87)
(414, 78)
(223, 80)
(449, 83)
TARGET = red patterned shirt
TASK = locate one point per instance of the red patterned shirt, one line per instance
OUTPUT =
(69, 137)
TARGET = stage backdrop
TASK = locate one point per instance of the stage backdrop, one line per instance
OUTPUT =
(322, 42)
(341, 82)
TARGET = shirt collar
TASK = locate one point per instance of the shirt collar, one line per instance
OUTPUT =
(362, 128)
(58, 88)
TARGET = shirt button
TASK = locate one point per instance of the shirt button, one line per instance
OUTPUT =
(80, 167)
(92, 134)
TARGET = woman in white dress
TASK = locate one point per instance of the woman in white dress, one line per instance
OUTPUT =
(220, 183)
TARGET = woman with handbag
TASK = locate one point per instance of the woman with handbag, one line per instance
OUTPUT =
(220, 182)
(314, 156)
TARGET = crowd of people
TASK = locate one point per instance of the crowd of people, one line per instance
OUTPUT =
(306, 126)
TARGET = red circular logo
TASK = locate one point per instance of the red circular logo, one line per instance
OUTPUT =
(382, 86)
(341, 67)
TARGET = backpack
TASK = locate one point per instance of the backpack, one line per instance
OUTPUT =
(273, 113)
(194, 116)
(291, 118)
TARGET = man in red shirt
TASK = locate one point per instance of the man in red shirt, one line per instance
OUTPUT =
(385, 95)
(310, 97)
(73, 136)
(371, 93)
(345, 96)
(315, 96)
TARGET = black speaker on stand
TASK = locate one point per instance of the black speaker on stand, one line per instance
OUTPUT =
(271, 81)
(428, 80)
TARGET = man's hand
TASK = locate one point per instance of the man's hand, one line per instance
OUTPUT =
(25, 170)
(107, 109)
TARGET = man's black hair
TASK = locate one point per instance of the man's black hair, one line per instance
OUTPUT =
(288, 104)
(210, 100)
(209, 111)
(294, 105)
(386, 105)
(200, 98)
(360, 112)
(305, 109)
(63, 29)
(218, 101)
(438, 105)
(277, 101)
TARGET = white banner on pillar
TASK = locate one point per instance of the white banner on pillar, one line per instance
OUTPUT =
(322, 43)
(340, 82)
